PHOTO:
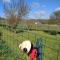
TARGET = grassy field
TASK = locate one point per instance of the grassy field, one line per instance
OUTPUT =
(51, 44)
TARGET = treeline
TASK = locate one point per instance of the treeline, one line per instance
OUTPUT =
(50, 21)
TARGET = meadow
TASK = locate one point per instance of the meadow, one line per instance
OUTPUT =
(11, 38)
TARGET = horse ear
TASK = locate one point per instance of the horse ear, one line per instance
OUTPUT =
(20, 45)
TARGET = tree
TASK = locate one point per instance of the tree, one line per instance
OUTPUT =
(15, 10)
(29, 23)
(55, 15)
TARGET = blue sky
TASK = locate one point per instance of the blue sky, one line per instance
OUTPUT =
(39, 8)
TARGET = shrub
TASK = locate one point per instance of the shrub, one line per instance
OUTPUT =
(19, 30)
(58, 32)
(53, 32)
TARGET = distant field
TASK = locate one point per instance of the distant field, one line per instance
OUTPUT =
(51, 44)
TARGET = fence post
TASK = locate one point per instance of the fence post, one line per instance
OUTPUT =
(0, 36)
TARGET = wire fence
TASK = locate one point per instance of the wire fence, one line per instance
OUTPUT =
(11, 38)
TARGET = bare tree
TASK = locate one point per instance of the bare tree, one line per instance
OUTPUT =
(15, 10)
(29, 23)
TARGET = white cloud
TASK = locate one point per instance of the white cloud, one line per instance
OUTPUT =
(57, 9)
(6, 1)
(38, 10)
(39, 14)
(35, 5)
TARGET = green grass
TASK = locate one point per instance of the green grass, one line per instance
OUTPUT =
(50, 43)
(5, 52)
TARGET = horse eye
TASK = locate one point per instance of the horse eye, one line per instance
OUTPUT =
(25, 50)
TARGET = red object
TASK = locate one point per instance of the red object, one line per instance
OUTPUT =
(33, 54)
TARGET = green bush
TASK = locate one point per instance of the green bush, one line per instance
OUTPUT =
(6, 52)
(19, 30)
